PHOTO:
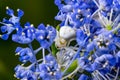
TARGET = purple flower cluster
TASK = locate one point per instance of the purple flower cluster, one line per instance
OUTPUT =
(85, 47)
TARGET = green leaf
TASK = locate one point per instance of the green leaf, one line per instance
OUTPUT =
(58, 27)
(54, 49)
(72, 67)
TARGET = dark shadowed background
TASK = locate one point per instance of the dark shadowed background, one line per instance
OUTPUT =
(36, 12)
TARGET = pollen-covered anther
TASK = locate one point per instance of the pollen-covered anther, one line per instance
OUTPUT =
(100, 47)
(28, 30)
(41, 37)
(110, 36)
(88, 9)
(51, 62)
(81, 19)
(107, 43)
(48, 24)
(32, 30)
(9, 25)
(48, 37)
(14, 75)
(0, 35)
(17, 54)
(22, 64)
(48, 68)
(18, 10)
(95, 37)
(88, 16)
(7, 7)
(26, 26)
(90, 58)
(17, 29)
(105, 64)
(32, 25)
(51, 73)
(101, 40)
(77, 16)
(79, 10)
(98, 43)
(23, 33)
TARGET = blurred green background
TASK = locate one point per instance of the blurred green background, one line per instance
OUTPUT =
(36, 12)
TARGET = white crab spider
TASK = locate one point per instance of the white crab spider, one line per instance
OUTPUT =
(64, 36)
(59, 41)
(67, 32)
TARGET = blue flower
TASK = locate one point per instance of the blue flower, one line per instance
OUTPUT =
(91, 46)
(83, 77)
(61, 16)
(106, 58)
(75, 13)
(13, 23)
(25, 73)
(50, 69)
(85, 64)
(106, 4)
(45, 35)
(58, 3)
(96, 24)
(80, 17)
(112, 46)
(81, 37)
(25, 54)
(26, 35)
(116, 5)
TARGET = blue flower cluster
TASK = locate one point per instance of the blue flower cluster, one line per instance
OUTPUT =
(45, 68)
(85, 47)
(97, 26)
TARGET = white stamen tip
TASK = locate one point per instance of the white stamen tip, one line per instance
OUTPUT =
(7, 7)
(23, 33)
(79, 10)
(110, 36)
(31, 25)
(17, 53)
(14, 75)
(41, 37)
(81, 19)
(17, 29)
(98, 43)
(18, 9)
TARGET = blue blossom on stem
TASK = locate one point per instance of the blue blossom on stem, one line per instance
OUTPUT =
(87, 45)
(25, 54)
(11, 24)
(45, 35)
(50, 69)
(25, 73)
(27, 35)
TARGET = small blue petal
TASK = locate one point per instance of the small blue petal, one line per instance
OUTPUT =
(27, 24)
(10, 12)
(18, 49)
(41, 27)
(20, 13)
(3, 29)
(83, 77)
(5, 36)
